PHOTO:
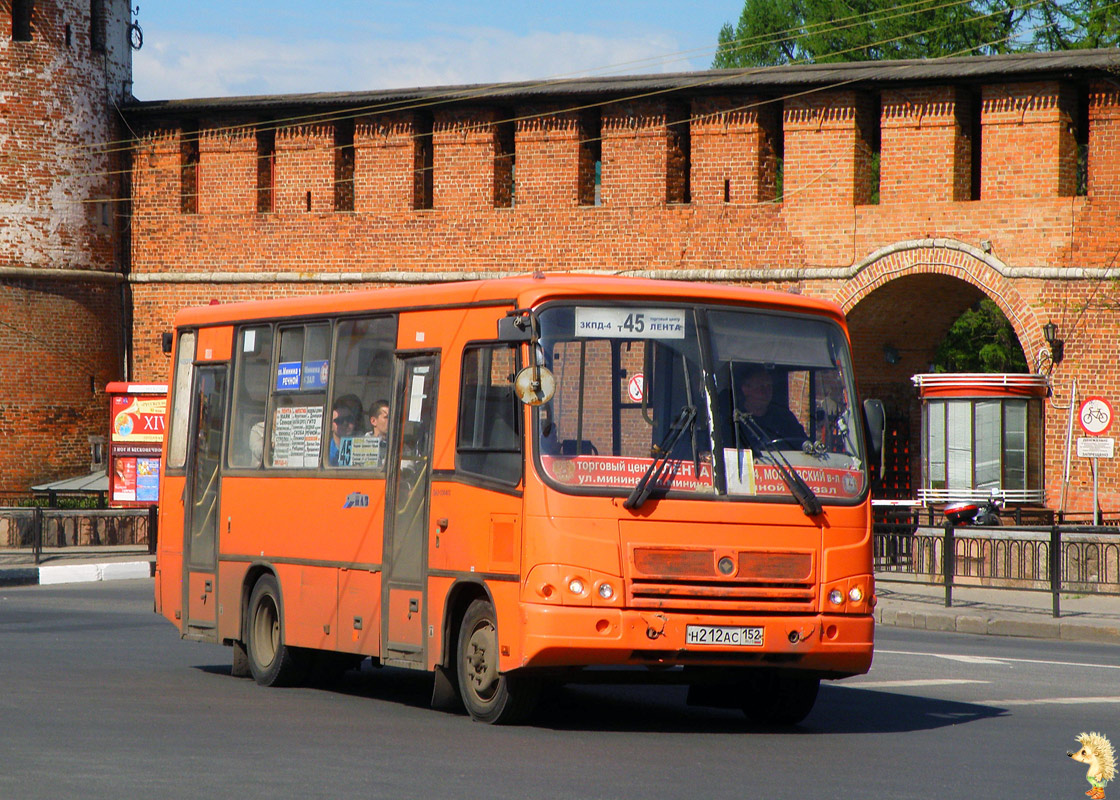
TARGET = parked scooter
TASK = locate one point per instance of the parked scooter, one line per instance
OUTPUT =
(975, 512)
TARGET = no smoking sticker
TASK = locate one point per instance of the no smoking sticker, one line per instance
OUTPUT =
(635, 387)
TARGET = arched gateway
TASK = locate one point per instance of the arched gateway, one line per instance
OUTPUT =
(901, 301)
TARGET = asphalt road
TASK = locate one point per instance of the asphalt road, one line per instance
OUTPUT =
(101, 699)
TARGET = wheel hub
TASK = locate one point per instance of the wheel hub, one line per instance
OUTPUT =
(482, 667)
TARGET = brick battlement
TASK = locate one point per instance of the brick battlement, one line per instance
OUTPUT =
(977, 194)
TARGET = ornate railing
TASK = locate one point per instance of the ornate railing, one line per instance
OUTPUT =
(1059, 559)
(34, 528)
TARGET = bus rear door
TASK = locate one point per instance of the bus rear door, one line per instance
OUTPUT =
(406, 518)
(201, 500)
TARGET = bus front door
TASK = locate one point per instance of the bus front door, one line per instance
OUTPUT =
(406, 524)
(201, 498)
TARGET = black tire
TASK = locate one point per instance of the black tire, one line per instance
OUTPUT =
(271, 662)
(488, 695)
(779, 697)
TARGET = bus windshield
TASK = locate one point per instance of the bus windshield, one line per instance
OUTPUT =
(700, 401)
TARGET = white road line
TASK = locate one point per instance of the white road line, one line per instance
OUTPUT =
(908, 684)
(996, 660)
(1041, 701)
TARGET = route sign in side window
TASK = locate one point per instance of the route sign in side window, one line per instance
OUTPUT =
(299, 396)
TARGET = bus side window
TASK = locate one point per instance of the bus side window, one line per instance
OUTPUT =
(489, 437)
(363, 385)
(299, 395)
(252, 368)
(181, 401)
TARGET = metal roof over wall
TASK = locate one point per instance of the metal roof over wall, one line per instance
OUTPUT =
(1068, 64)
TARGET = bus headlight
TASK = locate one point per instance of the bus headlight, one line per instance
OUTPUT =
(575, 586)
(856, 594)
(606, 591)
(836, 597)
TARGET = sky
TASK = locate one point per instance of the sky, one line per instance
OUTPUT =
(227, 48)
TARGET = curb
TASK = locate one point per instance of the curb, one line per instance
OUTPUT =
(75, 573)
(1065, 630)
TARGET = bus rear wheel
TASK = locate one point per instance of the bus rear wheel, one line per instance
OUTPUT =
(271, 662)
(488, 695)
(779, 697)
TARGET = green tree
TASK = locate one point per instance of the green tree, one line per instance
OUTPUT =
(771, 32)
(981, 340)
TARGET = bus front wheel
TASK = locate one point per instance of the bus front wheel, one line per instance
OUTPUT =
(779, 697)
(271, 662)
(487, 694)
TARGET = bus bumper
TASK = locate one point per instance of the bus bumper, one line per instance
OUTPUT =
(559, 636)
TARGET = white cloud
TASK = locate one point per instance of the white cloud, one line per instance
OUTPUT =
(187, 65)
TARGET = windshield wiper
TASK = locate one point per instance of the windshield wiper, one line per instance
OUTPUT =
(800, 490)
(661, 452)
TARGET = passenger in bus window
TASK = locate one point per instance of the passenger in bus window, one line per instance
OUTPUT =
(756, 393)
(256, 443)
(346, 419)
(379, 430)
(829, 420)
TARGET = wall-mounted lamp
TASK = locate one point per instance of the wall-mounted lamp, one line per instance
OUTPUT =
(890, 353)
(1057, 346)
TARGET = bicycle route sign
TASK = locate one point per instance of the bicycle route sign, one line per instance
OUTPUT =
(1095, 416)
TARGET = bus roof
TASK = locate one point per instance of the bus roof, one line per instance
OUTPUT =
(521, 291)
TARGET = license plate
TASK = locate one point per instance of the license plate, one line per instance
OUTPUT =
(725, 635)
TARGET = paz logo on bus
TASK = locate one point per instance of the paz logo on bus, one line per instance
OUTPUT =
(356, 500)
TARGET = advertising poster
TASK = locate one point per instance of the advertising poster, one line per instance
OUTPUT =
(124, 479)
(138, 420)
(136, 430)
(147, 480)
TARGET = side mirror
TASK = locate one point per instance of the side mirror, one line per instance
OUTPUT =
(875, 421)
(516, 328)
(166, 339)
(535, 386)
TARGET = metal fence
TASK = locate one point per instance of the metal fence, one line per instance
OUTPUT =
(35, 528)
(1057, 558)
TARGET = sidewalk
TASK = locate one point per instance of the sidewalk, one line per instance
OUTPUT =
(75, 564)
(997, 612)
(901, 603)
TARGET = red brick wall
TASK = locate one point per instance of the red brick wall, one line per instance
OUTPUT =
(548, 152)
(827, 153)
(824, 239)
(635, 154)
(1104, 141)
(1028, 144)
(384, 151)
(733, 150)
(61, 191)
(925, 148)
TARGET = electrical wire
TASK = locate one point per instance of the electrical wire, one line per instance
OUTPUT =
(713, 79)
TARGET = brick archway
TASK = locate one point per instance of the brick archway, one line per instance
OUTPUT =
(952, 259)
(900, 302)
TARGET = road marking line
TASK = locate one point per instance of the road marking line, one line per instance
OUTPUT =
(997, 660)
(909, 684)
(1065, 701)
(974, 659)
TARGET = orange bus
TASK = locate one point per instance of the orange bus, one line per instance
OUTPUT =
(521, 481)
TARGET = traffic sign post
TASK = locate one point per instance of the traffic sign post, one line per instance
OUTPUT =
(1095, 418)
